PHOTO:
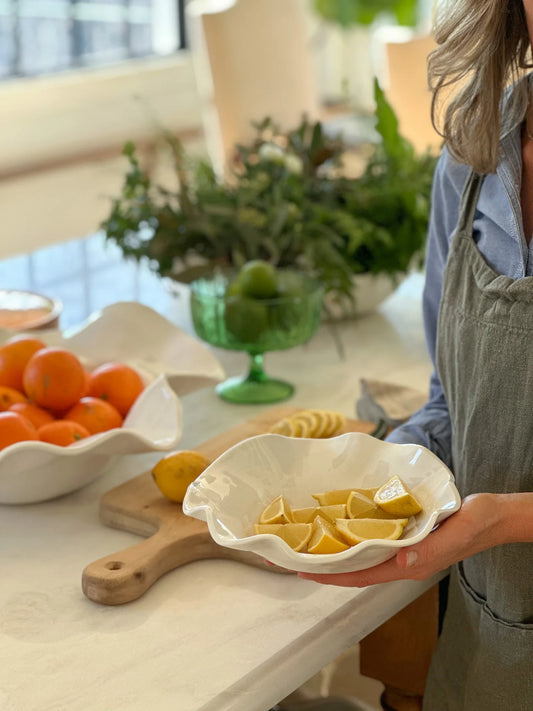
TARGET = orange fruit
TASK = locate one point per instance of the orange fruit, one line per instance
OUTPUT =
(62, 432)
(36, 415)
(15, 428)
(14, 356)
(118, 384)
(86, 375)
(9, 396)
(54, 379)
(95, 415)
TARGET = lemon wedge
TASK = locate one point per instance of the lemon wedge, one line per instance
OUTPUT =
(360, 506)
(396, 498)
(356, 530)
(277, 511)
(295, 535)
(324, 538)
(333, 497)
(332, 512)
(370, 492)
(273, 528)
(307, 514)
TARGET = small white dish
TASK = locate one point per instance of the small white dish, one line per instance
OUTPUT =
(171, 362)
(24, 310)
(231, 493)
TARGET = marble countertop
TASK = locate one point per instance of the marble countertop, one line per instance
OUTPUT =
(213, 635)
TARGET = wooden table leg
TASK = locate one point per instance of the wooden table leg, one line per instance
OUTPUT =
(399, 652)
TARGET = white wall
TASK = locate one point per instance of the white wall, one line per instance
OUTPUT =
(50, 123)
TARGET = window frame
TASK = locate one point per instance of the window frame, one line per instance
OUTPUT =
(73, 22)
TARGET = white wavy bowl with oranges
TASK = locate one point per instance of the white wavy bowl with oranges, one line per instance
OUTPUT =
(170, 362)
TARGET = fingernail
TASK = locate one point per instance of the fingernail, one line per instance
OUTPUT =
(411, 558)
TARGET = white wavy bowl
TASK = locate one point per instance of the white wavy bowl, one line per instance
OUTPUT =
(133, 333)
(31, 472)
(171, 362)
(231, 493)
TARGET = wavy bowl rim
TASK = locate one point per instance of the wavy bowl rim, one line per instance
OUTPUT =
(89, 444)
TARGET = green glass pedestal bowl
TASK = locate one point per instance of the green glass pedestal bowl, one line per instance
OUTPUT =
(225, 318)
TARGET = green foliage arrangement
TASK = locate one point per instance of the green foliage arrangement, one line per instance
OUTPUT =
(288, 203)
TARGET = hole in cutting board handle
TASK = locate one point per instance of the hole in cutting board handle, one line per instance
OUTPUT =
(114, 565)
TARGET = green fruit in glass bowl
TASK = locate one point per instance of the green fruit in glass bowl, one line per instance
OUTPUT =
(246, 319)
(258, 279)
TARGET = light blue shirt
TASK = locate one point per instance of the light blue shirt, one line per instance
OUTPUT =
(499, 235)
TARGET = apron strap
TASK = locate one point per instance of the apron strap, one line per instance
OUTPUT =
(469, 200)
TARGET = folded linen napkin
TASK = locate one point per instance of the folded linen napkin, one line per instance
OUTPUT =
(380, 401)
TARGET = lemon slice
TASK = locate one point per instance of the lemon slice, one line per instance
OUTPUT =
(277, 511)
(396, 498)
(328, 423)
(283, 427)
(310, 422)
(300, 427)
(323, 423)
(356, 530)
(324, 538)
(360, 506)
(337, 422)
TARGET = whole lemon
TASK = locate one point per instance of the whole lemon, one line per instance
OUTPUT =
(175, 471)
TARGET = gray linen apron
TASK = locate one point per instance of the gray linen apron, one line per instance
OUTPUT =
(484, 657)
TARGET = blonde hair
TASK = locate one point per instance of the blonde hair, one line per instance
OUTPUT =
(482, 46)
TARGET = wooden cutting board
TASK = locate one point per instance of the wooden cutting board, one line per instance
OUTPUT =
(171, 538)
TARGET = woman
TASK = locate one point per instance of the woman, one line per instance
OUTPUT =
(478, 314)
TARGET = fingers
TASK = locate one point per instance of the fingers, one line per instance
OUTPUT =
(383, 573)
(443, 547)
(412, 563)
(440, 549)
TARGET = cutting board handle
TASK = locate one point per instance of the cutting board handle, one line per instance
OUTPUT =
(125, 576)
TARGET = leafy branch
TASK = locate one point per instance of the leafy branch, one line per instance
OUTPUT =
(288, 202)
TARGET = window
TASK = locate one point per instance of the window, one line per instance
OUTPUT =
(47, 36)
(86, 275)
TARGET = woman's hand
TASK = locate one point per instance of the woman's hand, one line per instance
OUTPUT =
(475, 527)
